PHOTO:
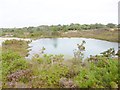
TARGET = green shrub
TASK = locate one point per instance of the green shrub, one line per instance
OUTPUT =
(99, 75)
(11, 62)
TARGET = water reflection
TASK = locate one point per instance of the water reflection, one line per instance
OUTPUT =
(55, 43)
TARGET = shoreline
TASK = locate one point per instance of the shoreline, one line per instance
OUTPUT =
(2, 39)
(11, 38)
(78, 37)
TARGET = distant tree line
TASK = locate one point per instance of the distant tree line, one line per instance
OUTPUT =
(72, 26)
(46, 30)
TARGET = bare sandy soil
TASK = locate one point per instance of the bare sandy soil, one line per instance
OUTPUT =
(11, 38)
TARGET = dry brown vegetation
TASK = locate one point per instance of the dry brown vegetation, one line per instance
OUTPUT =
(97, 34)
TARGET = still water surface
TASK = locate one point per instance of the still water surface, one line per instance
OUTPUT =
(66, 46)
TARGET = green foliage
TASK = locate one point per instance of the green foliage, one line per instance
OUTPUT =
(11, 62)
(102, 74)
(47, 31)
(48, 59)
(47, 70)
(18, 46)
(111, 25)
(99, 31)
(53, 75)
(12, 58)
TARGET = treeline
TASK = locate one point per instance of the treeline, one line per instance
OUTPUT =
(53, 30)
(72, 26)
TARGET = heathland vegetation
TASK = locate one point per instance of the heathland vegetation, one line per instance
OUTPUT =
(99, 31)
(52, 71)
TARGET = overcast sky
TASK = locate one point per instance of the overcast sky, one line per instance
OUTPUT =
(24, 13)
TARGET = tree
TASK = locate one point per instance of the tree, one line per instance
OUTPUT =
(111, 25)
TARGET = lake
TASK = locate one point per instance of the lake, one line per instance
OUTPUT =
(66, 46)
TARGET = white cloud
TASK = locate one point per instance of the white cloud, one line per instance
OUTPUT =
(20, 13)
